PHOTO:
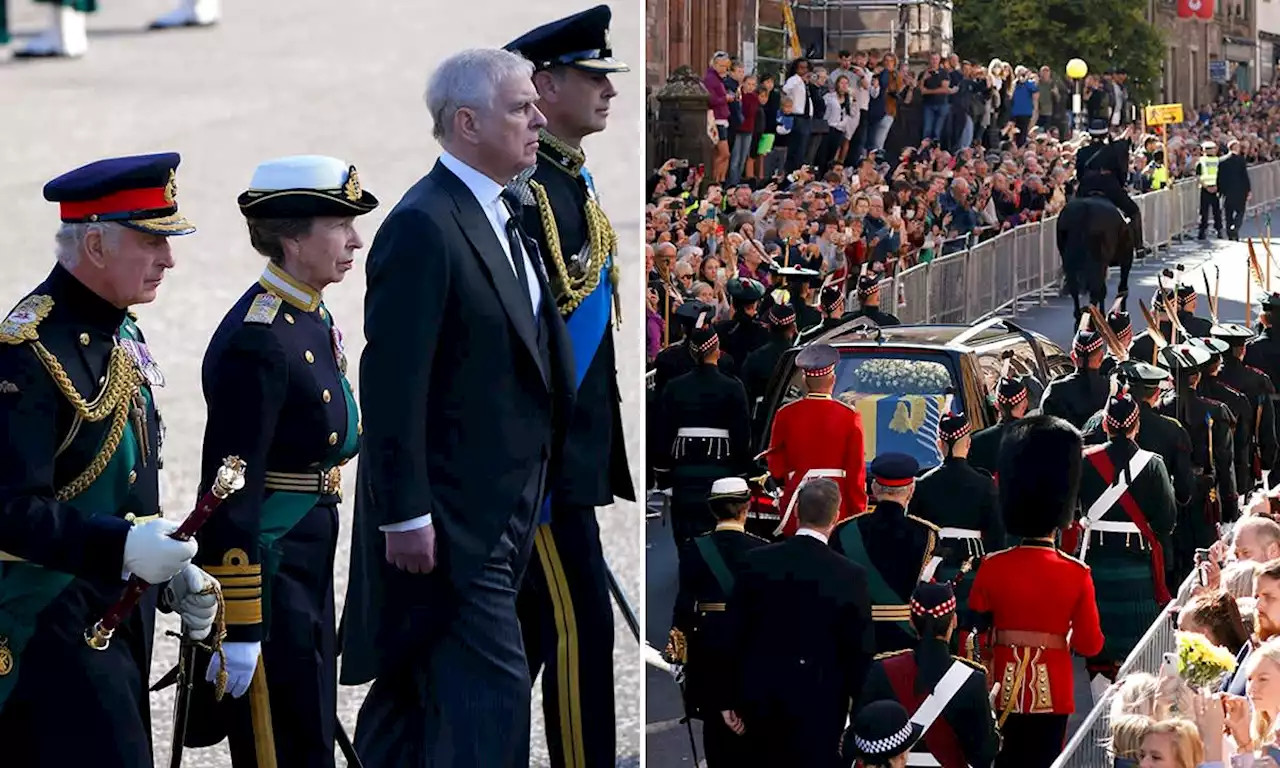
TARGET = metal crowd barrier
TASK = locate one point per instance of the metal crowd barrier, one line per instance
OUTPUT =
(1021, 264)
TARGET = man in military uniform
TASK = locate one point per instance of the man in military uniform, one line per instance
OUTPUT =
(1101, 168)
(709, 567)
(799, 290)
(743, 333)
(1258, 387)
(869, 301)
(962, 501)
(1214, 388)
(275, 385)
(1129, 511)
(1162, 435)
(896, 549)
(1121, 324)
(1079, 394)
(703, 434)
(1039, 602)
(79, 477)
(1198, 327)
(1207, 174)
(758, 368)
(818, 436)
(1144, 346)
(675, 360)
(961, 728)
(1263, 351)
(1012, 402)
(564, 599)
(1213, 499)
(831, 302)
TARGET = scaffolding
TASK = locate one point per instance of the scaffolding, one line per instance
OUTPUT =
(910, 28)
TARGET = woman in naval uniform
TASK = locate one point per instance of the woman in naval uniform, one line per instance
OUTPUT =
(275, 384)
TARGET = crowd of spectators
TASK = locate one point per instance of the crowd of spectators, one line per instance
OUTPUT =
(869, 163)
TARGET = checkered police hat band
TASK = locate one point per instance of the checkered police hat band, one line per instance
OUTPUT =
(885, 745)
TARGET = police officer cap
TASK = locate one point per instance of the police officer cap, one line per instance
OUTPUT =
(304, 186)
(881, 731)
(832, 297)
(817, 360)
(895, 469)
(745, 289)
(781, 315)
(1098, 127)
(139, 192)
(580, 41)
(1207, 144)
(1232, 333)
(730, 489)
(954, 424)
(930, 599)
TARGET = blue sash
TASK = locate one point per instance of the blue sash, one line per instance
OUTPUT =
(587, 325)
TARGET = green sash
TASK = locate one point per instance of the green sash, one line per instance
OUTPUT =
(26, 589)
(879, 590)
(715, 561)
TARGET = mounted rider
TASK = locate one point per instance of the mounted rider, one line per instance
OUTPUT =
(1101, 168)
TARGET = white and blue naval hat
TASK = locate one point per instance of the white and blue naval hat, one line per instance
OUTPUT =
(303, 186)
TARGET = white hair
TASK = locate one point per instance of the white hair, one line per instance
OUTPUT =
(70, 238)
(470, 79)
(719, 56)
(891, 491)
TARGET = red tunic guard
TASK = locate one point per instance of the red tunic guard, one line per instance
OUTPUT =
(818, 437)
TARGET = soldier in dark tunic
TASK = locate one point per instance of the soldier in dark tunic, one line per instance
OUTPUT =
(676, 360)
(1263, 353)
(1012, 404)
(80, 504)
(963, 502)
(833, 314)
(799, 288)
(1128, 513)
(1121, 325)
(709, 567)
(1261, 391)
(869, 302)
(1212, 387)
(1186, 298)
(964, 731)
(895, 548)
(757, 371)
(1213, 499)
(1079, 394)
(744, 333)
(1144, 344)
(704, 435)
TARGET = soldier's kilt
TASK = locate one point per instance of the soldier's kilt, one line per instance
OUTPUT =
(1126, 599)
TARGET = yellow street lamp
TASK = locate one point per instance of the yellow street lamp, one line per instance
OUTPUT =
(1077, 70)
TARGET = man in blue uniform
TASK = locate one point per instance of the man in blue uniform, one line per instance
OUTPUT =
(277, 394)
(79, 477)
(564, 600)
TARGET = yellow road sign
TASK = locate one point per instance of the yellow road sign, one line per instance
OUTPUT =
(1164, 114)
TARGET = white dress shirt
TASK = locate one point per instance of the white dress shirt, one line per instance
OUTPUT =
(488, 194)
(822, 537)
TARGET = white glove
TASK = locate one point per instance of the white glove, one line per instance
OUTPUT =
(242, 660)
(194, 595)
(152, 556)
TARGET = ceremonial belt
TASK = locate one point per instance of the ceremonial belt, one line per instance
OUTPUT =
(326, 483)
(791, 502)
(5, 557)
(1102, 462)
(1110, 526)
(1114, 492)
(1021, 638)
(704, 432)
(931, 708)
(959, 533)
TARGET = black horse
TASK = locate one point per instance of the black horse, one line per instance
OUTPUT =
(1093, 236)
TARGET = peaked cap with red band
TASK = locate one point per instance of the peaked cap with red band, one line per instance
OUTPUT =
(139, 192)
(895, 470)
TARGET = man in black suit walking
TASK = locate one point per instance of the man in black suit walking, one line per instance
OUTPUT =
(464, 384)
(801, 640)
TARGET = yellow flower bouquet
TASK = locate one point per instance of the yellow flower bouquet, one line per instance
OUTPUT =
(1201, 663)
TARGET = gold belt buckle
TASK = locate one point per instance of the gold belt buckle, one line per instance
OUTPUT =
(331, 482)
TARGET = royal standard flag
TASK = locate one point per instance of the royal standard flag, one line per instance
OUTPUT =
(901, 424)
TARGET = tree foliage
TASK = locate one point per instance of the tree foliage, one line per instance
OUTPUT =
(1105, 33)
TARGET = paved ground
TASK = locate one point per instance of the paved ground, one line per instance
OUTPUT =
(279, 78)
(666, 738)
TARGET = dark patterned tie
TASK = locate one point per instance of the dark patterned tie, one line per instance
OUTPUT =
(515, 241)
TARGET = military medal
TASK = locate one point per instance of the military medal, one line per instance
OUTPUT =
(145, 362)
(338, 350)
(6, 657)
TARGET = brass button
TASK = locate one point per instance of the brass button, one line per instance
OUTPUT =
(133, 477)
(333, 438)
(84, 339)
(326, 396)
(310, 357)
(288, 318)
(129, 517)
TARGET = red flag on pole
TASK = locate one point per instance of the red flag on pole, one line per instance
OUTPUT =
(1186, 9)
(1203, 8)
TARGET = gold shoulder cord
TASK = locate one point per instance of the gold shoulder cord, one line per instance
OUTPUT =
(601, 242)
(113, 400)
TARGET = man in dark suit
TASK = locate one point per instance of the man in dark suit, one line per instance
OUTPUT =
(564, 606)
(465, 387)
(800, 639)
(1233, 185)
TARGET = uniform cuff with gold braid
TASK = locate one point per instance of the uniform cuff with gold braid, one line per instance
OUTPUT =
(241, 583)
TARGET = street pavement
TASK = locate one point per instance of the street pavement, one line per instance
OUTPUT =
(280, 78)
(667, 741)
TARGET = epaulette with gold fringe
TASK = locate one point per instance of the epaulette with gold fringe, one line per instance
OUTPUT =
(925, 523)
(891, 654)
(971, 663)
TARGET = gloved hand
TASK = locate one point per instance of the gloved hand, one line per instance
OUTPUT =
(152, 556)
(194, 595)
(242, 660)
